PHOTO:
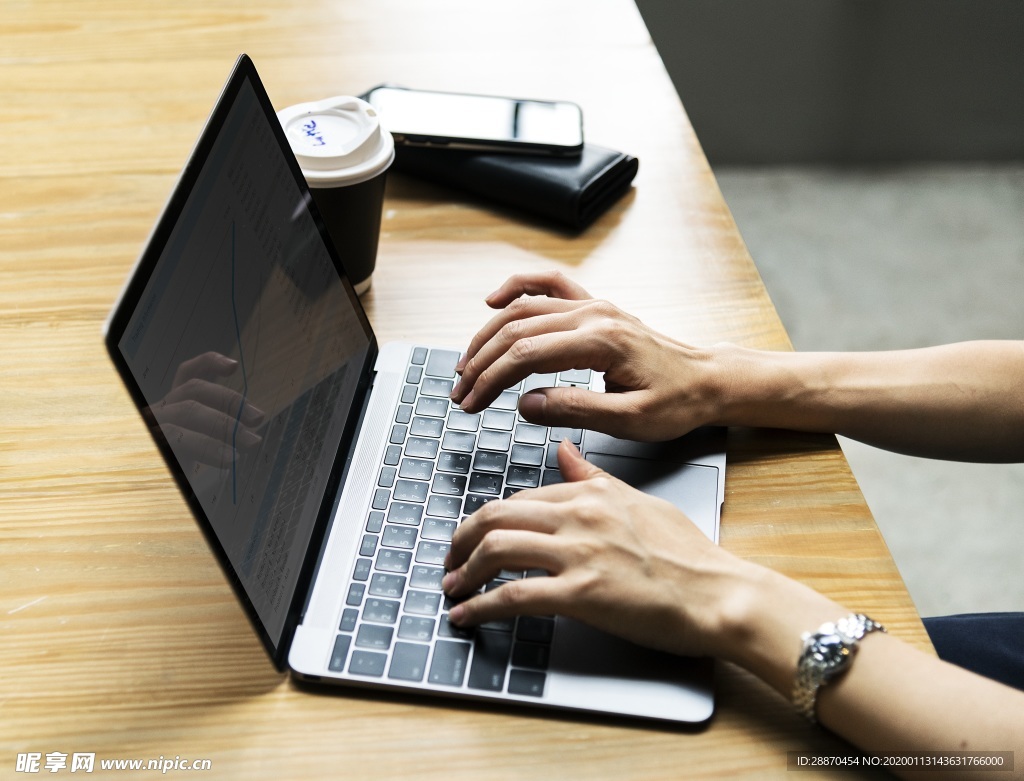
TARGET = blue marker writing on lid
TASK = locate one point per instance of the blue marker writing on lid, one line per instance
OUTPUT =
(313, 133)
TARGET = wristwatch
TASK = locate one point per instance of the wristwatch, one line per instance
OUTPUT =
(827, 654)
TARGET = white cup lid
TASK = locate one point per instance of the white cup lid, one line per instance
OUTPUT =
(338, 141)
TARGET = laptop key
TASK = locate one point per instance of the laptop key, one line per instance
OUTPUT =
(389, 560)
(490, 658)
(580, 376)
(436, 529)
(441, 363)
(551, 462)
(528, 434)
(538, 381)
(387, 477)
(435, 387)
(474, 502)
(526, 682)
(432, 552)
(490, 462)
(392, 455)
(422, 603)
(404, 513)
(348, 620)
(532, 655)
(419, 356)
(459, 440)
(463, 421)
(380, 611)
(448, 484)
(399, 537)
(367, 663)
(535, 629)
(426, 577)
(374, 522)
(447, 629)
(431, 407)
(404, 414)
(444, 506)
(483, 483)
(355, 594)
(398, 433)
(417, 447)
(410, 491)
(408, 394)
(506, 400)
(552, 477)
(370, 636)
(448, 667)
(510, 491)
(427, 427)
(457, 463)
(340, 653)
(523, 476)
(368, 545)
(362, 569)
(574, 435)
(494, 440)
(527, 455)
(408, 662)
(416, 628)
(416, 469)
(381, 497)
(413, 375)
(499, 419)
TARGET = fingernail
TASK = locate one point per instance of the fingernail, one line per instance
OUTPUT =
(456, 614)
(467, 402)
(461, 365)
(532, 404)
(454, 395)
(448, 581)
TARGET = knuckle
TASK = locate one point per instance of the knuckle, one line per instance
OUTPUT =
(511, 331)
(522, 350)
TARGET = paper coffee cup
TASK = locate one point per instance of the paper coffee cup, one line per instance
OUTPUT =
(344, 153)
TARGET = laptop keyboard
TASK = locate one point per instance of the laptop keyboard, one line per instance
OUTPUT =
(440, 466)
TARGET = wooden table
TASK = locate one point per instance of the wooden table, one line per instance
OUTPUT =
(120, 635)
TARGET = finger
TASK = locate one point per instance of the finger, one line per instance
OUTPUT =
(218, 397)
(204, 365)
(508, 337)
(615, 414)
(212, 423)
(519, 309)
(532, 596)
(574, 466)
(511, 549)
(539, 354)
(553, 283)
(524, 515)
(191, 445)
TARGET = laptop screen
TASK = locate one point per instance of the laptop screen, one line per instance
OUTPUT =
(247, 345)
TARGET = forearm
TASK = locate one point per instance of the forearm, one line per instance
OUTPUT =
(893, 699)
(960, 402)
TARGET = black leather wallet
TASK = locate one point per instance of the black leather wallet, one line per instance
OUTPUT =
(574, 191)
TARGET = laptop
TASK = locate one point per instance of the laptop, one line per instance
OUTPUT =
(328, 472)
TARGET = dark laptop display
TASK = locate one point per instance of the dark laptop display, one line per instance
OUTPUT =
(249, 378)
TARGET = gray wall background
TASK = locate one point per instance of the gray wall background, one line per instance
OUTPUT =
(796, 81)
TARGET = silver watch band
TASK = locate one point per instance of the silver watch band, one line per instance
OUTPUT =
(826, 654)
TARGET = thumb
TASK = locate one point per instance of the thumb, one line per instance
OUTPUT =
(573, 465)
(575, 408)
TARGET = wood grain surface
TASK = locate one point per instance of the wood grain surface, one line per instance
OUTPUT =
(120, 636)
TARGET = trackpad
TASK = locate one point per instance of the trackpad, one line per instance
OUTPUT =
(690, 487)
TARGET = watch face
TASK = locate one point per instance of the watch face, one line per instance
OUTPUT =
(830, 651)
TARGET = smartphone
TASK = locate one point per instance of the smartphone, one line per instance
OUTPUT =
(479, 122)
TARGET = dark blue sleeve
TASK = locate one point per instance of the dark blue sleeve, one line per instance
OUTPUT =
(990, 644)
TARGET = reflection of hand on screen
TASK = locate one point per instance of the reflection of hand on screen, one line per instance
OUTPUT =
(202, 420)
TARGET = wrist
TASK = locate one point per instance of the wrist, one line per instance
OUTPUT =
(762, 619)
